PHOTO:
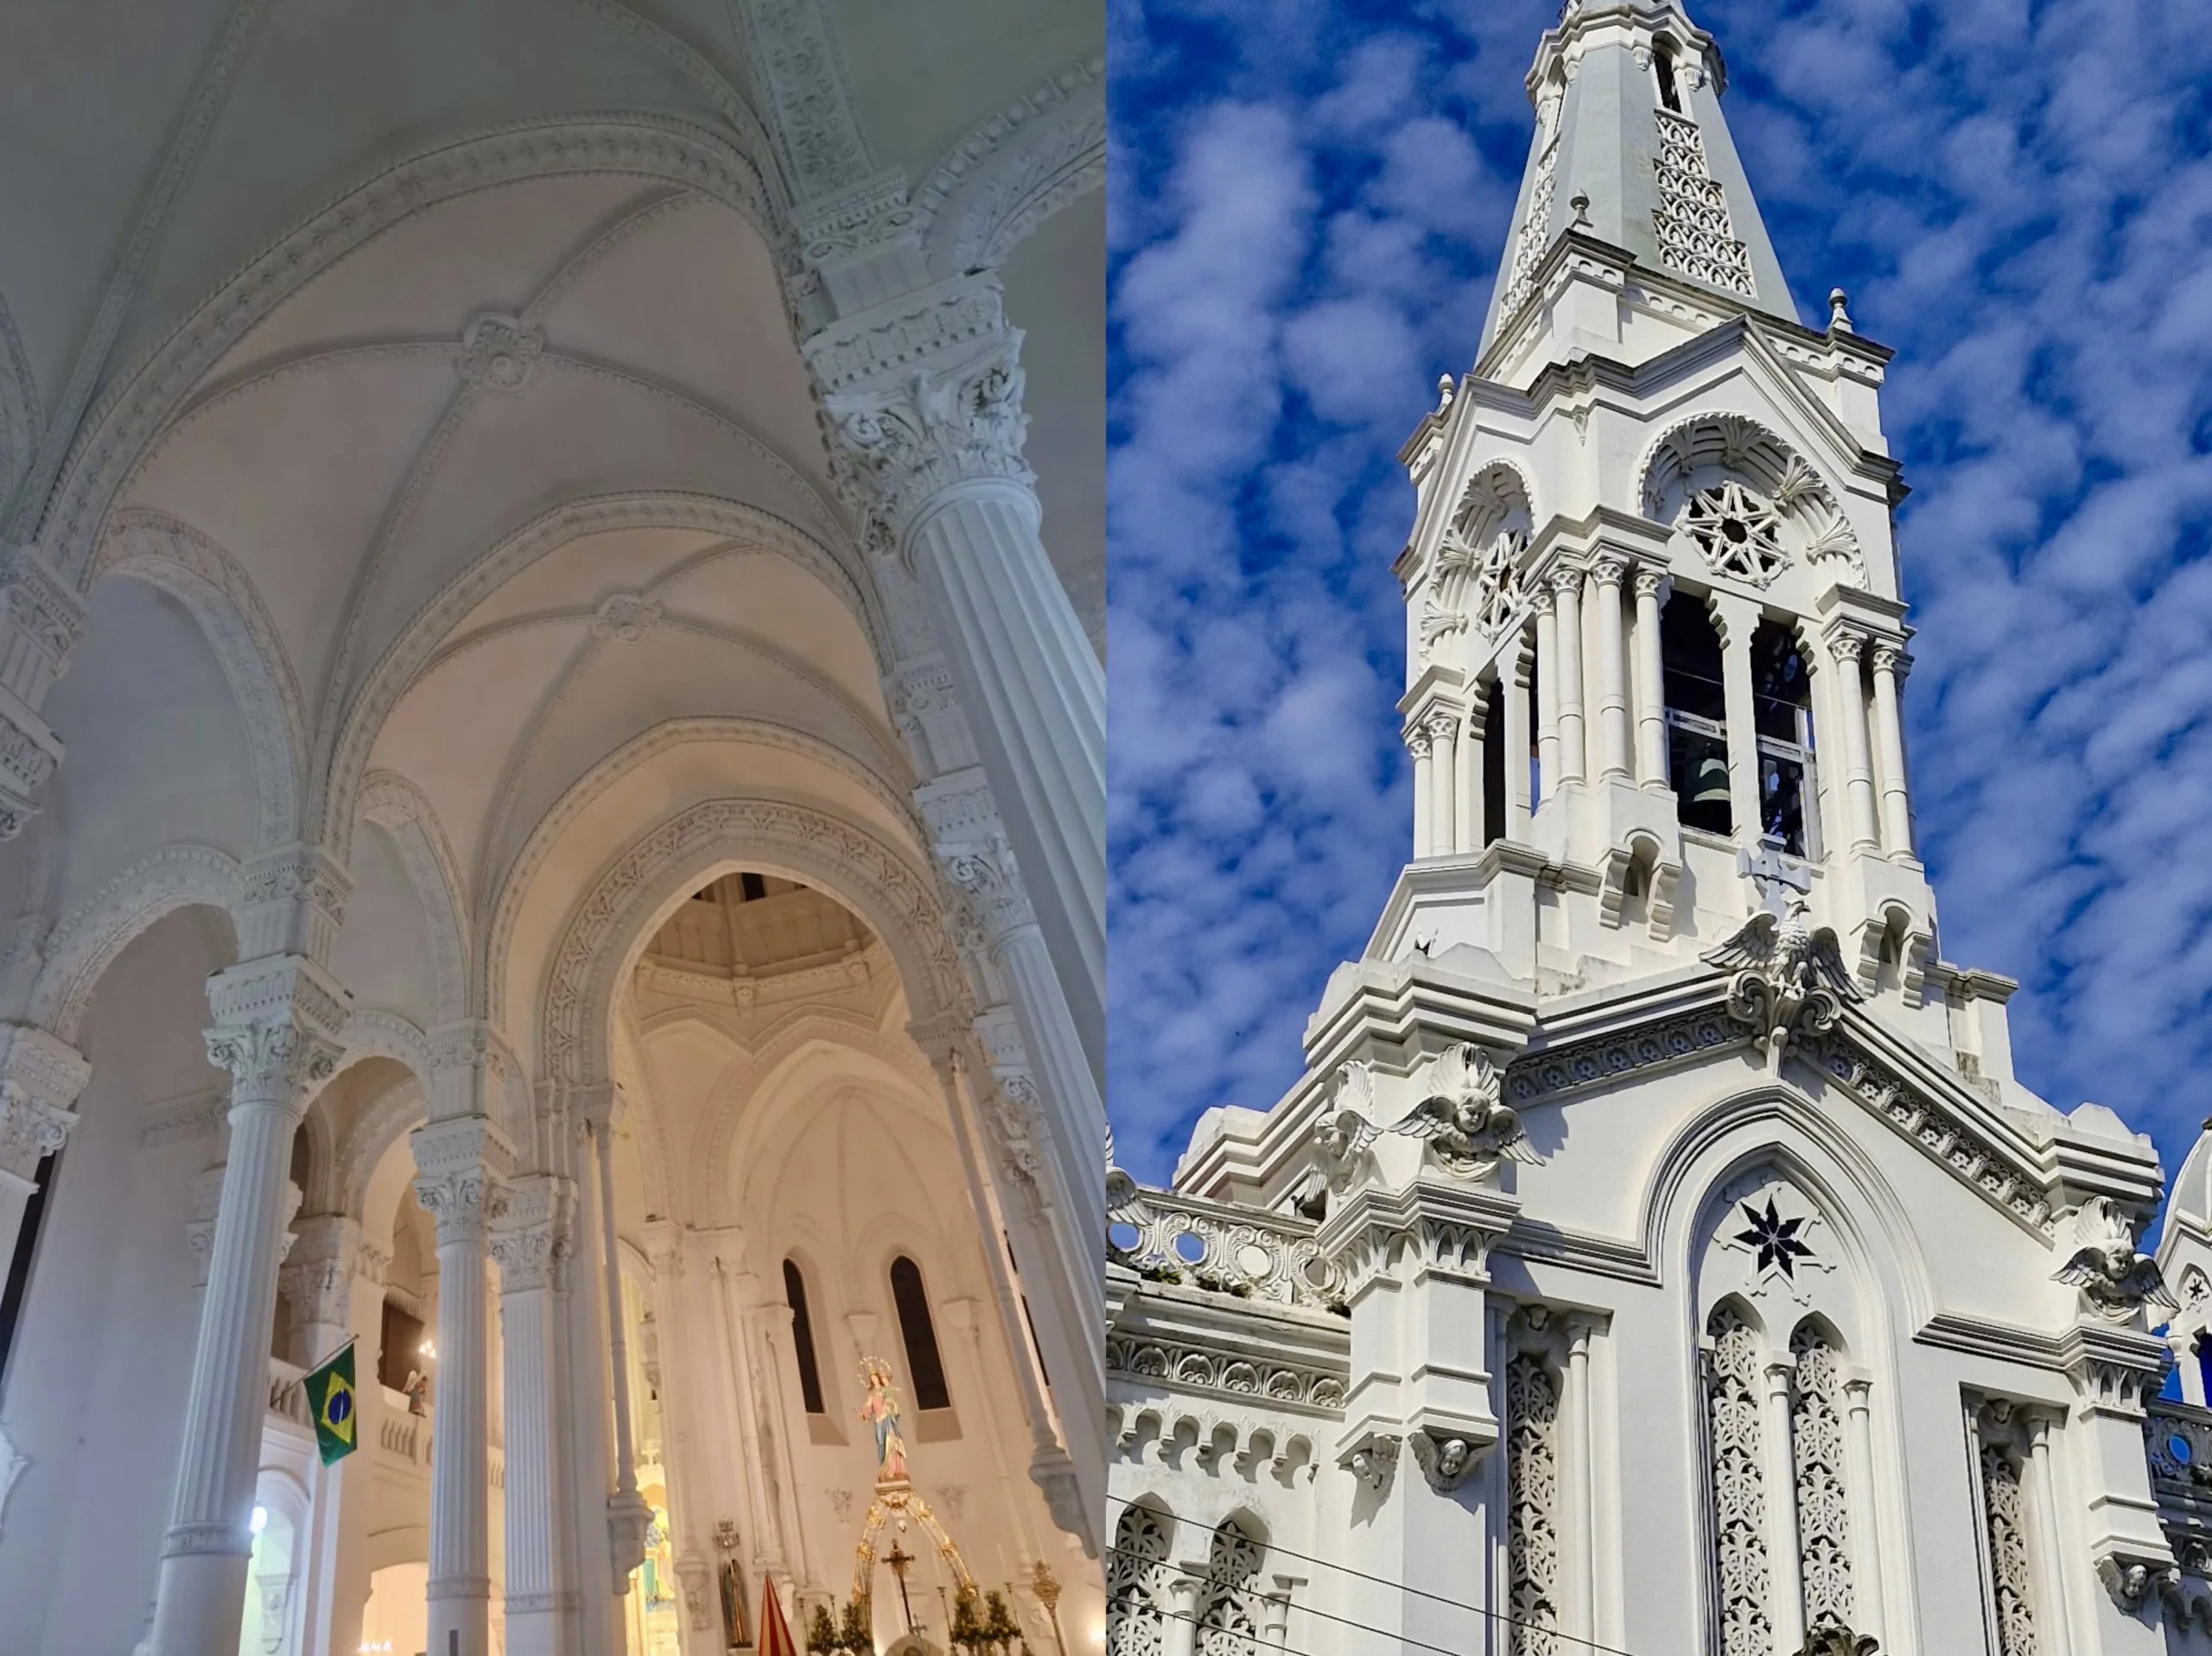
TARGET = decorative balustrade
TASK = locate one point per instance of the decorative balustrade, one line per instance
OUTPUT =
(1169, 1237)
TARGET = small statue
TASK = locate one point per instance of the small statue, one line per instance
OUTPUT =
(2113, 1277)
(1470, 1128)
(880, 1411)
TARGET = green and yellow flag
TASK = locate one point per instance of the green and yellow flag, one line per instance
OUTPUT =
(331, 1404)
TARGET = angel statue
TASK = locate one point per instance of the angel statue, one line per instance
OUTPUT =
(880, 1412)
(1788, 978)
(2113, 1277)
(1470, 1128)
(1341, 1138)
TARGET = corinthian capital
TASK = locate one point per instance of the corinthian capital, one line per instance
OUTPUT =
(923, 393)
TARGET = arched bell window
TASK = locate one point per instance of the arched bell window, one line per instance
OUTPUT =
(925, 1367)
(809, 1371)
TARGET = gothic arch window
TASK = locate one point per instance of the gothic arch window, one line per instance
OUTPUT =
(1229, 1621)
(1136, 1583)
(1816, 1442)
(1532, 1503)
(925, 1364)
(809, 1368)
(1741, 1571)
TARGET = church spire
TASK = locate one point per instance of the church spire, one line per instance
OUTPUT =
(1632, 149)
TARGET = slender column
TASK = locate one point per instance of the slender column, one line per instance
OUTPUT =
(1584, 1473)
(627, 1516)
(2042, 1493)
(1865, 1548)
(1650, 681)
(1442, 725)
(1736, 619)
(460, 1167)
(1574, 748)
(1514, 673)
(40, 1079)
(533, 1245)
(1890, 665)
(1417, 743)
(1607, 574)
(1787, 1603)
(926, 393)
(1547, 746)
(275, 1024)
(1846, 650)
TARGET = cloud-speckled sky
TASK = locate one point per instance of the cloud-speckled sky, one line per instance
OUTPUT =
(1308, 204)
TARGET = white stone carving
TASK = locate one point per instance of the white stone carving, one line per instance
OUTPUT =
(1695, 236)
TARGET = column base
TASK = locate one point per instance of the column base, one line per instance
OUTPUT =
(198, 1603)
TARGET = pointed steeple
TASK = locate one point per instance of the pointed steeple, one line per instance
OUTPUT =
(1632, 149)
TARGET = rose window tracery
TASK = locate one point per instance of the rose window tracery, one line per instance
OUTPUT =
(1737, 530)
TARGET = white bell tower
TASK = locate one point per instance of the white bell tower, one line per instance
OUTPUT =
(1654, 640)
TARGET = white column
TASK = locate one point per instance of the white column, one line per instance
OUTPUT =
(1417, 743)
(1580, 1407)
(1650, 681)
(1866, 1544)
(275, 1024)
(1845, 649)
(1607, 574)
(2057, 1624)
(1513, 672)
(533, 1245)
(1548, 749)
(1787, 1602)
(460, 1167)
(930, 413)
(1573, 747)
(1890, 665)
(1442, 725)
(1736, 619)
(627, 1516)
(41, 1076)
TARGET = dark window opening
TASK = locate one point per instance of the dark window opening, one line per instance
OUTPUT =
(1696, 710)
(809, 1373)
(1494, 763)
(1663, 61)
(1782, 713)
(19, 1264)
(923, 1365)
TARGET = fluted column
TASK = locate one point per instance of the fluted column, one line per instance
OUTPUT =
(926, 393)
(1849, 698)
(41, 1076)
(1417, 743)
(1650, 681)
(276, 1021)
(1787, 1602)
(1548, 752)
(1442, 725)
(41, 620)
(1866, 1549)
(1573, 747)
(534, 1243)
(460, 1168)
(1606, 575)
(1890, 665)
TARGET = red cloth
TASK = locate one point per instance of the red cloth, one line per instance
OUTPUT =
(775, 1633)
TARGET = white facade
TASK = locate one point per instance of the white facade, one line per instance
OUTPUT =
(483, 490)
(1658, 1250)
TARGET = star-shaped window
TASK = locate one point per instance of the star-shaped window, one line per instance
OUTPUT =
(1776, 1239)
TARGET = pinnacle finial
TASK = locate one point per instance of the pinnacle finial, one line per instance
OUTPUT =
(1838, 318)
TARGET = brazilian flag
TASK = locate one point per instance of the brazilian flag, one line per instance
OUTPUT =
(331, 1404)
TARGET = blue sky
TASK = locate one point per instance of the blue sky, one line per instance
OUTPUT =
(1308, 204)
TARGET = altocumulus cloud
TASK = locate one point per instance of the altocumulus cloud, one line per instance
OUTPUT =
(1308, 207)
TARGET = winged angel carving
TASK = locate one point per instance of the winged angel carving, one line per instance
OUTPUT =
(1789, 979)
(2113, 1277)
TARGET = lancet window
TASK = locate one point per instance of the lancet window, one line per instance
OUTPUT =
(1696, 715)
(925, 1363)
(1741, 1572)
(1781, 714)
(1228, 1621)
(1532, 1517)
(809, 1371)
(1817, 1449)
(1136, 1584)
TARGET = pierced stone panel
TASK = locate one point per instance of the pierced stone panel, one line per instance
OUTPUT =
(1532, 1485)
(1695, 235)
(1823, 1511)
(1740, 1572)
(1136, 1585)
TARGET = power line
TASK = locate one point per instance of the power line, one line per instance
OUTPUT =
(1382, 1581)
